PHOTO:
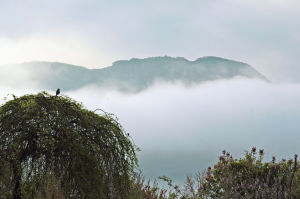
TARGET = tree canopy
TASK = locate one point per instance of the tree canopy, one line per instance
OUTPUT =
(52, 147)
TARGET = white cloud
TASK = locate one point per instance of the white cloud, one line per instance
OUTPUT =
(184, 129)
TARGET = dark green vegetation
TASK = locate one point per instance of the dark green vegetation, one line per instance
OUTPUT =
(137, 74)
(51, 147)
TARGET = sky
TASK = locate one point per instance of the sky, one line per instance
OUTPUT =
(95, 33)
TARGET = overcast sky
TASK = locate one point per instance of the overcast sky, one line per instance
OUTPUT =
(95, 33)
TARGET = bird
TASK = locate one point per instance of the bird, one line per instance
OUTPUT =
(57, 92)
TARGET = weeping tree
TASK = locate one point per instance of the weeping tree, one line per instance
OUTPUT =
(52, 147)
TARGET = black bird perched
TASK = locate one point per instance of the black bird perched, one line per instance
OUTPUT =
(57, 92)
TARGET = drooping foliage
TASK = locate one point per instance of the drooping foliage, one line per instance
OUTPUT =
(52, 147)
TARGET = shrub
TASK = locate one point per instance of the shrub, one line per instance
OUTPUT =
(250, 177)
(52, 147)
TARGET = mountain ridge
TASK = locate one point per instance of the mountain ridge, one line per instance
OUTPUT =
(135, 75)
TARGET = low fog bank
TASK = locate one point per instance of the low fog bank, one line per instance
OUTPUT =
(182, 130)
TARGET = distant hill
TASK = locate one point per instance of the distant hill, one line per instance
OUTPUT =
(136, 74)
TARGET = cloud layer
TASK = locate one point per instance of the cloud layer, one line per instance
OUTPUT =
(182, 130)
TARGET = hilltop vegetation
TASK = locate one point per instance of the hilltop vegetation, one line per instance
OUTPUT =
(52, 147)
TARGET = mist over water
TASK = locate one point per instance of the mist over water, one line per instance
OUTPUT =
(182, 130)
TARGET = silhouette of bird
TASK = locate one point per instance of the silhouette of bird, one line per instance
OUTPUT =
(57, 92)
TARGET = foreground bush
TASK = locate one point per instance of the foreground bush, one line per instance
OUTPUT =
(248, 178)
(51, 147)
